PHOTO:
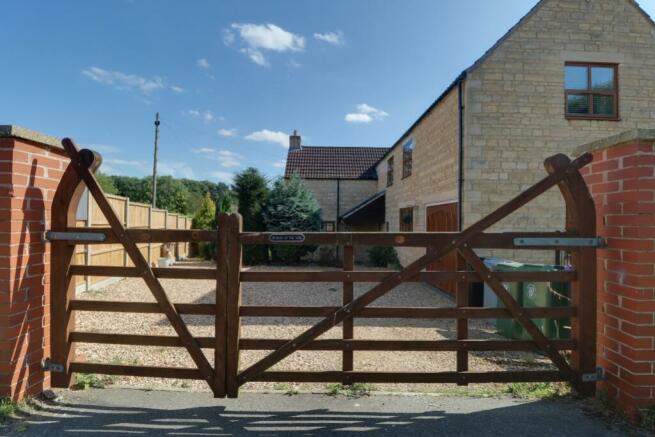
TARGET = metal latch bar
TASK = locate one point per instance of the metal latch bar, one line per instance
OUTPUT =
(74, 236)
(50, 366)
(560, 242)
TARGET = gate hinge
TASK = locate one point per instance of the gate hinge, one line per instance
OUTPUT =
(594, 377)
(560, 242)
(50, 366)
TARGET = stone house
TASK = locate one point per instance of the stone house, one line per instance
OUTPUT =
(343, 180)
(569, 72)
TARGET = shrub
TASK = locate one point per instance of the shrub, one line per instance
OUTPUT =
(383, 256)
(291, 207)
(205, 218)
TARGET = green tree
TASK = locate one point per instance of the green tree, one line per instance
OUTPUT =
(172, 195)
(106, 183)
(291, 207)
(205, 218)
(137, 189)
(251, 190)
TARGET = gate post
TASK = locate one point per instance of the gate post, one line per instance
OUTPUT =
(220, 321)
(580, 218)
(234, 262)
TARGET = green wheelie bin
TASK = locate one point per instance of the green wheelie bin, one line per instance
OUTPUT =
(561, 297)
(510, 328)
(538, 295)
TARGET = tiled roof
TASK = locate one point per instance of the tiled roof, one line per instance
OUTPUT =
(313, 162)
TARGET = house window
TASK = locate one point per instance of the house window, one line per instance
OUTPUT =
(406, 219)
(328, 226)
(408, 149)
(592, 91)
(390, 172)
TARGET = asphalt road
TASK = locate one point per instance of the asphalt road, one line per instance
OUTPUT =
(159, 413)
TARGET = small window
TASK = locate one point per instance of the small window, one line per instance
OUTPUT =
(406, 219)
(390, 172)
(408, 150)
(328, 226)
(592, 91)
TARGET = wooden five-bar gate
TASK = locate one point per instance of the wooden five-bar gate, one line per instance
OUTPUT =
(573, 359)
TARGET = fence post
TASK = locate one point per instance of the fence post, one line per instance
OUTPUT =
(234, 260)
(348, 324)
(88, 247)
(150, 228)
(126, 218)
(220, 321)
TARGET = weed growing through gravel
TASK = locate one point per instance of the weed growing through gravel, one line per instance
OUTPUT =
(84, 381)
(648, 419)
(538, 390)
(288, 389)
(355, 390)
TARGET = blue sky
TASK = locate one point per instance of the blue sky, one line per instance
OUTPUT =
(231, 79)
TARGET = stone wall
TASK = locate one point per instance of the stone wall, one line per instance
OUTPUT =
(352, 193)
(434, 169)
(622, 182)
(514, 115)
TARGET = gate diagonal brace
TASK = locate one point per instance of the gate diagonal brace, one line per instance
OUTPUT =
(393, 280)
(81, 161)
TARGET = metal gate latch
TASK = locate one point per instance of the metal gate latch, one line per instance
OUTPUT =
(564, 241)
(76, 236)
(593, 377)
(50, 366)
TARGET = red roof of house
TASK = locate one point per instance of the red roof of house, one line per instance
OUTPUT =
(314, 162)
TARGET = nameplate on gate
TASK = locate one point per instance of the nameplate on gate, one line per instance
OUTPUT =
(294, 237)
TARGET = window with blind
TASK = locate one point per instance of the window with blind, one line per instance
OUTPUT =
(408, 151)
(390, 172)
(406, 219)
(592, 91)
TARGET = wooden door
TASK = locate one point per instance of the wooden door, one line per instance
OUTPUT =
(443, 218)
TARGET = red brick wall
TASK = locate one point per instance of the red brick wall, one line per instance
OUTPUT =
(29, 175)
(622, 181)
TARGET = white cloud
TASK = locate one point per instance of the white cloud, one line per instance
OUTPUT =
(124, 81)
(365, 114)
(177, 89)
(358, 118)
(203, 63)
(227, 132)
(228, 37)
(280, 164)
(270, 136)
(223, 176)
(126, 163)
(260, 37)
(225, 158)
(175, 169)
(335, 38)
(207, 115)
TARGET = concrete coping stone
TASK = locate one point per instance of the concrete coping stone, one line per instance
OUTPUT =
(12, 131)
(624, 137)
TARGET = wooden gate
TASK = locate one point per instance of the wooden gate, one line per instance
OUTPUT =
(226, 376)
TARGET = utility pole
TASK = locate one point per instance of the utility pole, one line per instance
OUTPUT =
(154, 164)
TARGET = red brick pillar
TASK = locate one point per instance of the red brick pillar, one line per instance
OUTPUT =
(31, 166)
(622, 181)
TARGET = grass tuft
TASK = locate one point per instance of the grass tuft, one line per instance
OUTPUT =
(355, 390)
(85, 381)
(538, 390)
(7, 408)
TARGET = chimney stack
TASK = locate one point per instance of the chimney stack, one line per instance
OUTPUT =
(294, 141)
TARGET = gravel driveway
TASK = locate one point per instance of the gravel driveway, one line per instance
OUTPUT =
(298, 294)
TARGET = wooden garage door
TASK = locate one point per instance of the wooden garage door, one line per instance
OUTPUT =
(443, 218)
